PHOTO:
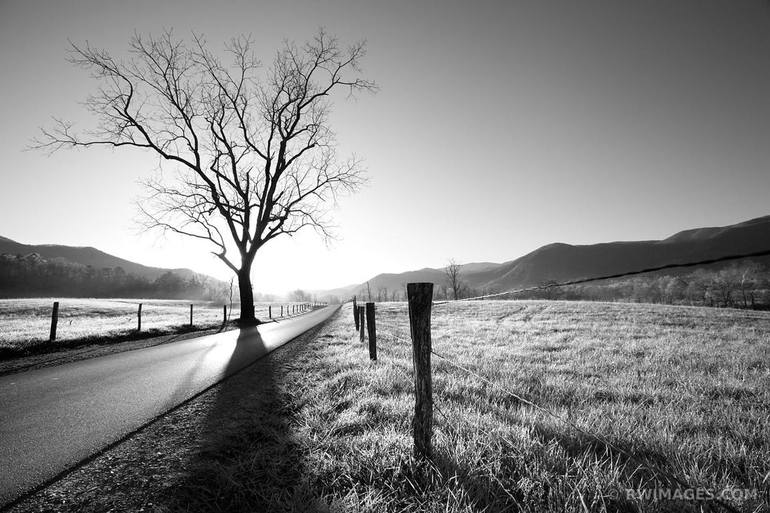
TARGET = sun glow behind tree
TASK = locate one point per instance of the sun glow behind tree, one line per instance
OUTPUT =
(251, 151)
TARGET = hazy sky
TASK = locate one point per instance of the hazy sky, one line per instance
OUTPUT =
(499, 127)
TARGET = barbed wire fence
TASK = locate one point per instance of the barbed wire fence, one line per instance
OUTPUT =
(418, 336)
(274, 312)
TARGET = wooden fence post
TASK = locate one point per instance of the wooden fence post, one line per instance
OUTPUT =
(281, 310)
(139, 318)
(355, 312)
(420, 297)
(361, 314)
(372, 331)
(224, 315)
(269, 311)
(191, 323)
(54, 320)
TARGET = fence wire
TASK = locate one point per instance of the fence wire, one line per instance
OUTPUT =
(656, 470)
(609, 276)
(660, 473)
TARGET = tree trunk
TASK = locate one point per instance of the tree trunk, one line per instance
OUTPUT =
(247, 296)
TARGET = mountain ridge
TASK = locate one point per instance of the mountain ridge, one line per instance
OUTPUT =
(89, 255)
(560, 261)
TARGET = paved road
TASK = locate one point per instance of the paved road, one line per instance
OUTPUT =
(52, 418)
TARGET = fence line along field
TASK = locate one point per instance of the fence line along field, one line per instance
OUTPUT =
(683, 390)
(27, 322)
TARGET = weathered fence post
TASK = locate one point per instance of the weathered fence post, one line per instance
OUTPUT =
(224, 315)
(281, 310)
(139, 318)
(54, 320)
(420, 297)
(372, 331)
(355, 312)
(269, 311)
(191, 322)
(361, 314)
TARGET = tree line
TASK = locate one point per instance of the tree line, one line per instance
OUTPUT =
(33, 276)
(739, 286)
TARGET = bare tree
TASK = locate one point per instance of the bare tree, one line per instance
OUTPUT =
(724, 283)
(454, 278)
(299, 296)
(252, 151)
(748, 283)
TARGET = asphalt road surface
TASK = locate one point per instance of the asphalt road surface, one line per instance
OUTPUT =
(53, 418)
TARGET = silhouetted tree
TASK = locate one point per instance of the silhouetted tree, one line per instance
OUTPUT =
(454, 278)
(252, 149)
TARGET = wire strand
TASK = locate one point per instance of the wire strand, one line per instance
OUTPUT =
(610, 276)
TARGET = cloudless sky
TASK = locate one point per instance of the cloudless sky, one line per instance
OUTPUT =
(499, 127)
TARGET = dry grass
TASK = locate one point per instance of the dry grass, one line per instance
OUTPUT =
(322, 428)
(686, 390)
(25, 323)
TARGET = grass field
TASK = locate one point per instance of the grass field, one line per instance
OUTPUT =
(685, 391)
(318, 427)
(26, 323)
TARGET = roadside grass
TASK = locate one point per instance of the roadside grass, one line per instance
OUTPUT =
(318, 427)
(685, 391)
(25, 323)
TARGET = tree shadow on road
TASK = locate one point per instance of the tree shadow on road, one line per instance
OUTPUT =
(245, 458)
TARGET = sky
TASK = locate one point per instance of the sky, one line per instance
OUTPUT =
(499, 126)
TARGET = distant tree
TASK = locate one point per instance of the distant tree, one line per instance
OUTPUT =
(253, 152)
(724, 283)
(382, 294)
(699, 287)
(454, 278)
(748, 283)
(299, 296)
(672, 289)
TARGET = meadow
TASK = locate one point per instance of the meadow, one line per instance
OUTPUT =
(26, 323)
(680, 394)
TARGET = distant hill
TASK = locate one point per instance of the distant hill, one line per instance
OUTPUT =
(54, 270)
(562, 262)
(87, 256)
